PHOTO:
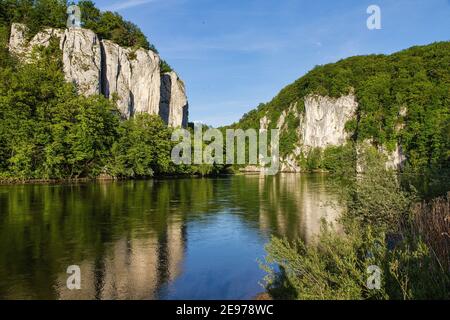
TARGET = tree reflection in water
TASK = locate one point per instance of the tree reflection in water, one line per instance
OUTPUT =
(132, 239)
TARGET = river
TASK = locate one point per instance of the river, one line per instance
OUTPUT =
(153, 239)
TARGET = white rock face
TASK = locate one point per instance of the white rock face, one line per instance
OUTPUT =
(95, 67)
(322, 124)
(264, 123)
(80, 49)
(145, 82)
(174, 105)
(44, 37)
(290, 164)
(133, 77)
(395, 159)
(22, 48)
(17, 40)
(116, 76)
(82, 60)
(281, 123)
(324, 120)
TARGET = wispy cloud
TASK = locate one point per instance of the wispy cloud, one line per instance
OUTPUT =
(119, 5)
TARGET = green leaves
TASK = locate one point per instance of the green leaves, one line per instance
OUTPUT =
(143, 147)
(111, 25)
(49, 132)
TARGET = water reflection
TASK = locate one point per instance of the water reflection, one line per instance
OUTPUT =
(159, 239)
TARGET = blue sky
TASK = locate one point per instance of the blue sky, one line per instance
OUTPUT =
(234, 54)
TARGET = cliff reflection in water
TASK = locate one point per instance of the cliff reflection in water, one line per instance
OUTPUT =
(295, 207)
(152, 239)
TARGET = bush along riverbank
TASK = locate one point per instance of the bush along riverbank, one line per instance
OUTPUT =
(386, 230)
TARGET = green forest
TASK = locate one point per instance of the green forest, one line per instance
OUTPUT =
(49, 132)
(53, 13)
(416, 79)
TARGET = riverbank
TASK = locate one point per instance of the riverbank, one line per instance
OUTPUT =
(15, 181)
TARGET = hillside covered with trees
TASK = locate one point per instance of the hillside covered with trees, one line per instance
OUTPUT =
(416, 79)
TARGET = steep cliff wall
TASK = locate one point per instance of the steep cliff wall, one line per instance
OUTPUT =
(324, 120)
(95, 66)
(133, 77)
(82, 60)
(321, 125)
(173, 105)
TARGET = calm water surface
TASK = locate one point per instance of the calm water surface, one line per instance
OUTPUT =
(157, 239)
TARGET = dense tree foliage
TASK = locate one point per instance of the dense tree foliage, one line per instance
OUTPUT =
(143, 148)
(402, 97)
(46, 129)
(165, 67)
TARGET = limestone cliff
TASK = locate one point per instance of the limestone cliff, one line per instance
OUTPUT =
(322, 124)
(82, 59)
(131, 77)
(375, 97)
(324, 120)
(174, 105)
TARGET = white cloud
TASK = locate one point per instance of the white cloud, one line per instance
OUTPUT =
(119, 5)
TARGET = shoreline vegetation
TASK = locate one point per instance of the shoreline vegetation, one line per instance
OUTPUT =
(386, 225)
(13, 181)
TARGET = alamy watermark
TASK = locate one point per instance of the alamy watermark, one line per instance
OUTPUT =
(74, 16)
(374, 20)
(207, 147)
(374, 279)
(74, 280)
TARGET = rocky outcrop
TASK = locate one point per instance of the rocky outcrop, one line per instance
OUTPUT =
(264, 123)
(395, 159)
(17, 40)
(290, 164)
(80, 53)
(174, 105)
(82, 60)
(324, 120)
(131, 77)
(22, 48)
(116, 71)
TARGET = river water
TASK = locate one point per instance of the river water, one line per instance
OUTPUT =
(153, 239)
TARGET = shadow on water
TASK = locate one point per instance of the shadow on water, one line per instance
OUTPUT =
(155, 239)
